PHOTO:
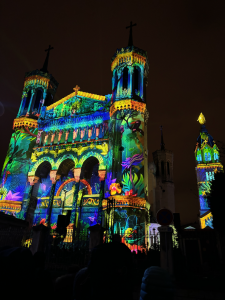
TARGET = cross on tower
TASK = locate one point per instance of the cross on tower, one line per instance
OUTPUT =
(45, 66)
(49, 48)
(130, 43)
(76, 89)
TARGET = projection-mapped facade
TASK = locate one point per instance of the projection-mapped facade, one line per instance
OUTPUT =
(71, 155)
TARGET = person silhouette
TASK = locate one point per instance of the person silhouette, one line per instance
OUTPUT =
(156, 284)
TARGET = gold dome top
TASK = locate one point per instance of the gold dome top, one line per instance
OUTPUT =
(201, 119)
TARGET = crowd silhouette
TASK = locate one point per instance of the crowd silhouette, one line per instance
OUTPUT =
(110, 274)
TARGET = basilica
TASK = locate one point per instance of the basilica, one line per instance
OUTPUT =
(73, 156)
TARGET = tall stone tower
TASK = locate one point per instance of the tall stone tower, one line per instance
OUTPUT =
(38, 90)
(207, 163)
(161, 175)
(128, 137)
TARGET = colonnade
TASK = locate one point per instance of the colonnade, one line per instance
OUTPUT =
(34, 92)
(85, 133)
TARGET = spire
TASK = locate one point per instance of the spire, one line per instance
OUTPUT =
(130, 43)
(162, 142)
(201, 119)
(45, 66)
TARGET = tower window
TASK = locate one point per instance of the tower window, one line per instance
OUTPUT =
(199, 157)
(27, 100)
(125, 78)
(162, 167)
(136, 79)
(168, 168)
(216, 157)
(207, 156)
(37, 103)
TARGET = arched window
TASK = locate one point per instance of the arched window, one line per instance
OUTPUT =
(216, 156)
(207, 156)
(199, 156)
(39, 97)
(136, 78)
(168, 168)
(125, 78)
(115, 84)
(162, 167)
(27, 103)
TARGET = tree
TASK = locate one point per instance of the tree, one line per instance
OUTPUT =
(217, 201)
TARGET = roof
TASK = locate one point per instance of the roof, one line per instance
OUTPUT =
(79, 93)
(205, 137)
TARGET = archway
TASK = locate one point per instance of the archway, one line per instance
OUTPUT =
(89, 173)
(41, 191)
(26, 105)
(36, 105)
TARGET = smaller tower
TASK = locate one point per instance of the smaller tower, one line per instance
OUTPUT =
(207, 163)
(39, 89)
(164, 185)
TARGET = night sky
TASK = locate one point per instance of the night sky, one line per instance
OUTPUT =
(185, 42)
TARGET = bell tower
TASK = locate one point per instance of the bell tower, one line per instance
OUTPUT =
(164, 190)
(207, 163)
(128, 126)
(39, 89)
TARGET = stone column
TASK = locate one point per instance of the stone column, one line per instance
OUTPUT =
(141, 81)
(31, 202)
(120, 83)
(31, 102)
(166, 248)
(82, 133)
(43, 100)
(66, 137)
(75, 134)
(45, 139)
(130, 84)
(52, 138)
(73, 217)
(54, 178)
(59, 136)
(97, 132)
(21, 106)
(101, 174)
(89, 133)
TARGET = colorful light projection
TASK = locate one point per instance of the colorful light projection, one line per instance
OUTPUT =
(206, 220)
(69, 156)
(154, 235)
(207, 160)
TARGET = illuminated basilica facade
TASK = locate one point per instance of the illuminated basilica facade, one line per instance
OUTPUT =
(71, 156)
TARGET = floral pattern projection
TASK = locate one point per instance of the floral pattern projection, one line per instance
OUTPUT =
(127, 176)
(73, 154)
(208, 163)
(16, 166)
(83, 135)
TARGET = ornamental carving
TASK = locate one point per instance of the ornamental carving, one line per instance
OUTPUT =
(127, 104)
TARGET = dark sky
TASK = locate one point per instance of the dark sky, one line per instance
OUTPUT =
(185, 45)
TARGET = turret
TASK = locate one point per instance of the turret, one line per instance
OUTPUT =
(207, 163)
(39, 89)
